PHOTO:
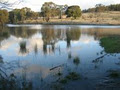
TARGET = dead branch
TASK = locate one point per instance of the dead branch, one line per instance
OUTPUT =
(56, 67)
(99, 58)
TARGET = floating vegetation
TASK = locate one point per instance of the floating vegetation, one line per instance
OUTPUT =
(111, 44)
(114, 74)
(76, 61)
(63, 81)
(73, 76)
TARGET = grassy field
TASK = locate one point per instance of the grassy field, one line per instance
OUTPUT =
(86, 18)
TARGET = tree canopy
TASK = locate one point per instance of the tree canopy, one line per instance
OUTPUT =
(3, 16)
(103, 8)
(73, 11)
(48, 10)
(17, 15)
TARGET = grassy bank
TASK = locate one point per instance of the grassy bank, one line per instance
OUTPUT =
(111, 44)
(101, 18)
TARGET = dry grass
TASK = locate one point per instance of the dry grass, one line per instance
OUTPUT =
(101, 18)
(86, 18)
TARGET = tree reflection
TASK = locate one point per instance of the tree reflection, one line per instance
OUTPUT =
(51, 36)
(72, 34)
(44, 48)
(4, 33)
(23, 32)
(10, 81)
(36, 49)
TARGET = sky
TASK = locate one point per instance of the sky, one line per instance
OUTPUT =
(84, 4)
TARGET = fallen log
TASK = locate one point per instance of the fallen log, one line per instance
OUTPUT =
(56, 67)
(99, 58)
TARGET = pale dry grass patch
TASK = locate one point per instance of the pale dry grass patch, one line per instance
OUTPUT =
(108, 17)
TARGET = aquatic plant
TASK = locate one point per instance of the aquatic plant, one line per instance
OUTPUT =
(114, 74)
(23, 48)
(76, 60)
(63, 81)
(23, 44)
(73, 76)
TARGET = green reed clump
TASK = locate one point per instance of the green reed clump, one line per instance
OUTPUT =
(23, 44)
(23, 48)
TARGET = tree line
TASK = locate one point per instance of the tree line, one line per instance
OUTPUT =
(48, 10)
(103, 8)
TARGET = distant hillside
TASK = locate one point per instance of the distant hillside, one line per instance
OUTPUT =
(103, 8)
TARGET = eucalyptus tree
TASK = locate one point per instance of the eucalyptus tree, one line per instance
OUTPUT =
(3, 16)
(5, 4)
(62, 10)
(73, 11)
(49, 9)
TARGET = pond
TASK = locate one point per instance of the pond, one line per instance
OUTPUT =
(59, 57)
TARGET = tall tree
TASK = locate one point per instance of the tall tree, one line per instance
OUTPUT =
(48, 10)
(15, 16)
(62, 9)
(6, 4)
(3, 16)
(73, 11)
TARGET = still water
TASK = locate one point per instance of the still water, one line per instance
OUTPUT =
(45, 54)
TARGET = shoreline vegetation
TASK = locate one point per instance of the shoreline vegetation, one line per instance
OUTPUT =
(53, 14)
(89, 18)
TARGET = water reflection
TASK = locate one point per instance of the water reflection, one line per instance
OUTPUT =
(50, 53)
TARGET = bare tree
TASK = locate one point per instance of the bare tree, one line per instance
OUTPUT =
(6, 4)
